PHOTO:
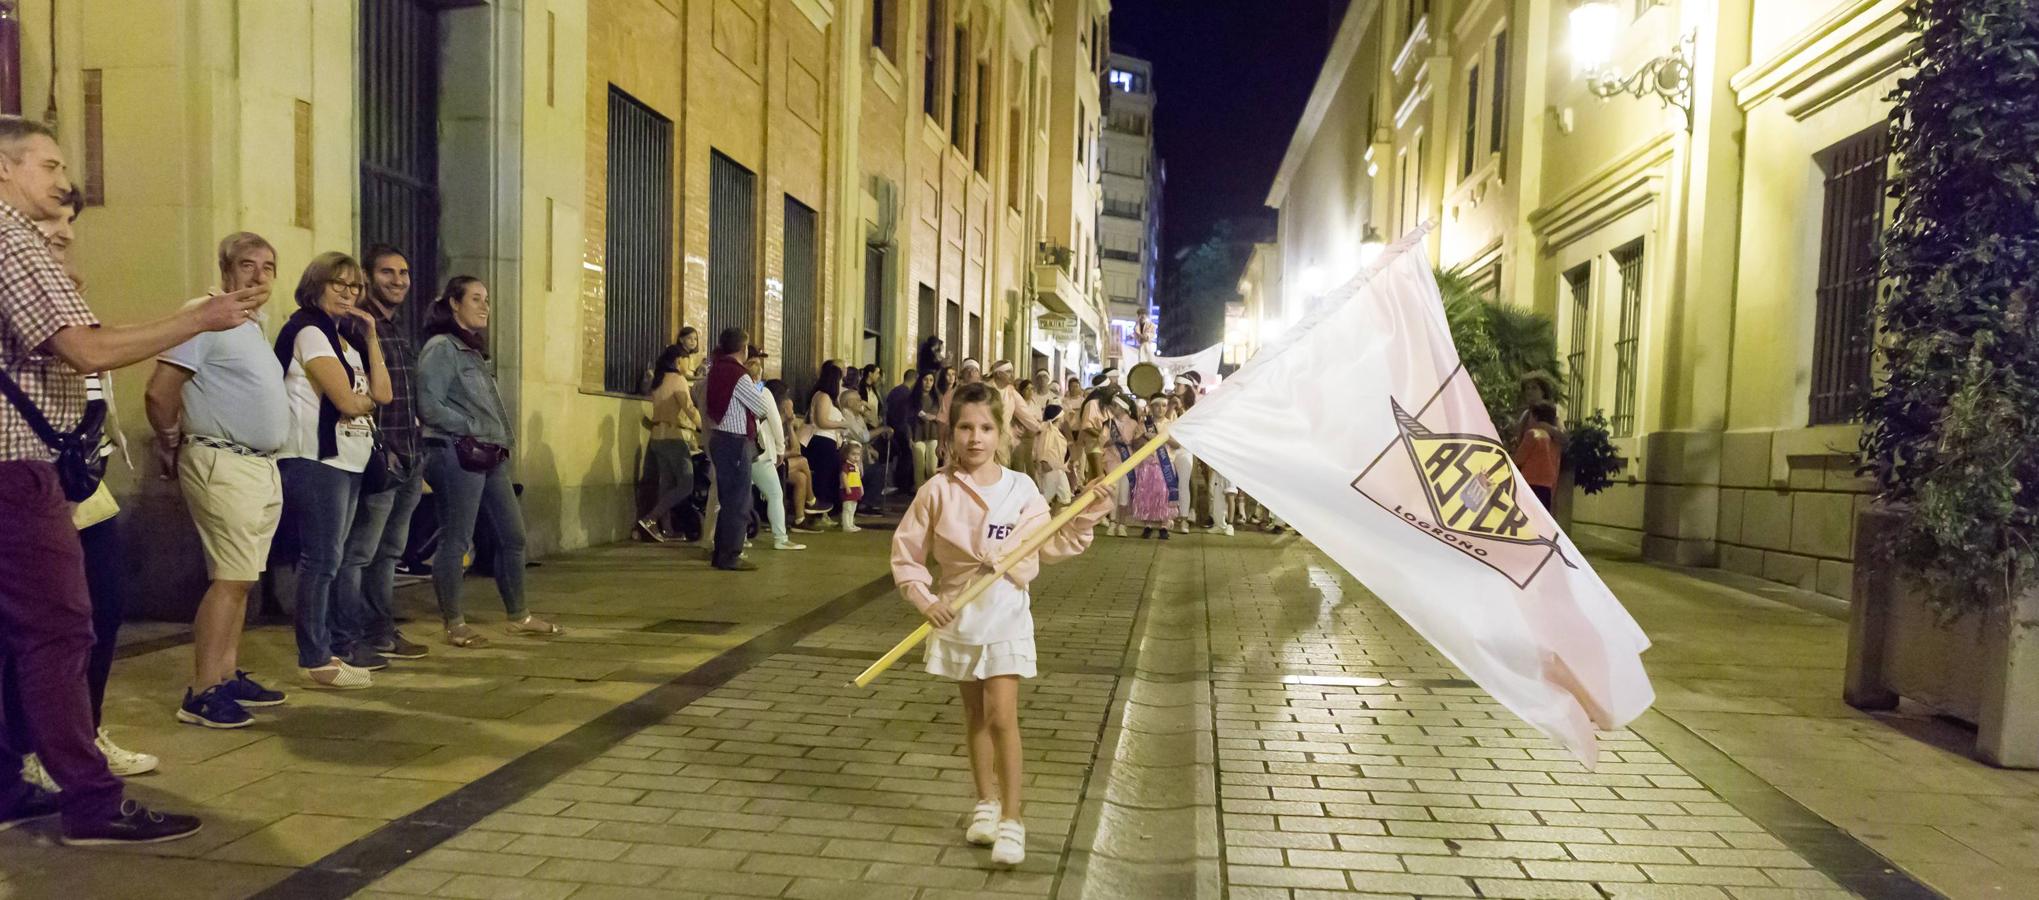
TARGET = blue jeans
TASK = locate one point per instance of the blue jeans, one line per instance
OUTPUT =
(322, 500)
(382, 527)
(731, 455)
(463, 496)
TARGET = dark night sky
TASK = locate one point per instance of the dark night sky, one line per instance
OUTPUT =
(1232, 76)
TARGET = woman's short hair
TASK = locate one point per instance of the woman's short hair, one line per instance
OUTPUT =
(321, 271)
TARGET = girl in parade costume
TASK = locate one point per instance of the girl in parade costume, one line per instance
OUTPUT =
(1116, 425)
(968, 517)
(1154, 483)
(852, 485)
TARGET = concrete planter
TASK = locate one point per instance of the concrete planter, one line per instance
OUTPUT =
(1981, 668)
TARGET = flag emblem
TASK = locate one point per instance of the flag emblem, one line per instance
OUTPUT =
(1460, 489)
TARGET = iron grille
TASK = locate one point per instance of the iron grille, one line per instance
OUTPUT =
(1497, 137)
(732, 246)
(1580, 282)
(400, 139)
(639, 242)
(1628, 342)
(1469, 155)
(955, 334)
(874, 302)
(931, 64)
(1851, 229)
(929, 325)
(977, 348)
(798, 363)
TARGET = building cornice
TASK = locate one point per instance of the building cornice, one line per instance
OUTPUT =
(1358, 18)
(1616, 189)
(1860, 42)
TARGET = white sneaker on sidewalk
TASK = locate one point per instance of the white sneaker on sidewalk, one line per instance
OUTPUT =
(124, 762)
(1011, 848)
(33, 773)
(787, 545)
(983, 830)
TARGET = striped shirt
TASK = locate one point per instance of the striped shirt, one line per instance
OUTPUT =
(750, 397)
(37, 300)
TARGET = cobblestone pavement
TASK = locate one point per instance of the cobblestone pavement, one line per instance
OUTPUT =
(1214, 718)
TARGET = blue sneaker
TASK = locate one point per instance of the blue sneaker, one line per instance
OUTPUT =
(213, 709)
(243, 690)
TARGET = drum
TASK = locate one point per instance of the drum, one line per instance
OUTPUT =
(1145, 380)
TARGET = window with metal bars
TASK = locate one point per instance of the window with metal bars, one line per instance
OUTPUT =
(954, 339)
(639, 240)
(1580, 282)
(799, 357)
(931, 64)
(959, 91)
(874, 302)
(929, 325)
(1497, 99)
(1628, 261)
(1851, 226)
(982, 142)
(732, 246)
(1469, 155)
(399, 115)
(977, 338)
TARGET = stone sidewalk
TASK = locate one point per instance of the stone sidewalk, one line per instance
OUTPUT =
(1214, 718)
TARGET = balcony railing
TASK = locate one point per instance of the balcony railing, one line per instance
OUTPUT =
(1125, 209)
(1056, 255)
(1121, 255)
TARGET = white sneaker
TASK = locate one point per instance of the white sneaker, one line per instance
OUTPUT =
(339, 676)
(983, 830)
(1011, 849)
(851, 529)
(1226, 530)
(787, 545)
(33, 773)
(124, 762)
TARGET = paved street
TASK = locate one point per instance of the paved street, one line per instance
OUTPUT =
(1214, 718)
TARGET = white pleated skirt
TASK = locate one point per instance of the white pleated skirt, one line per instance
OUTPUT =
(976, 662)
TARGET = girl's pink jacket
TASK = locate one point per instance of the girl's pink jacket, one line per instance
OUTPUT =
(949, 520)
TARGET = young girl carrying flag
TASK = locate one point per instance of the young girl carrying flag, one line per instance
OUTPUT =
(968, 517)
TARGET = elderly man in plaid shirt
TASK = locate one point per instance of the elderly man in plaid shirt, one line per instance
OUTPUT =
(49, 340)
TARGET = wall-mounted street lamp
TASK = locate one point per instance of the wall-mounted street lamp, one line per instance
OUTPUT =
(1594, 26)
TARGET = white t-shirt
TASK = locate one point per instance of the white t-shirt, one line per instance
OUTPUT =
(1004, 611)
(353, 438)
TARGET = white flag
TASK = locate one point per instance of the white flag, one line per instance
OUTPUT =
(1203, 362)
(1362, 431)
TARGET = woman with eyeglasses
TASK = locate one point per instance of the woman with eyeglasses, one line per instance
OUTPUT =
(335, 378)
(467, 453)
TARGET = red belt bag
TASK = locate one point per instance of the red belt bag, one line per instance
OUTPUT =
(479, 456)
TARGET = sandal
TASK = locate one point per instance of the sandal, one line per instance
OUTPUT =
(464, 636)
(532, 626)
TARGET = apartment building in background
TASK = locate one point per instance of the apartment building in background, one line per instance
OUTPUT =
(1129, 232)
(1691, 190)
(840, 178)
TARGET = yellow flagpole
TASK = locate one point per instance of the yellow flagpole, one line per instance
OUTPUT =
(1029, 547)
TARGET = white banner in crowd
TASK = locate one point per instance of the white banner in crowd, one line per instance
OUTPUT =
(1203, 362)
(1361, 430)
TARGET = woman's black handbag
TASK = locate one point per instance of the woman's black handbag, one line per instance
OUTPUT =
(479, 456)
(81, 458)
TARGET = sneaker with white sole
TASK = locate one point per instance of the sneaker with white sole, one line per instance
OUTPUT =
(124, 762)
(337, 675)
(33, 773)
(983, 830)
(213, 707)
(788, 545)
(1011, 848)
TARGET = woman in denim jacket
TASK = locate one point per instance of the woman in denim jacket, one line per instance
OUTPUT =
(458, 404)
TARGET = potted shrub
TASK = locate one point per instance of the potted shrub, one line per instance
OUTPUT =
(1511, 354)
(1945, 610)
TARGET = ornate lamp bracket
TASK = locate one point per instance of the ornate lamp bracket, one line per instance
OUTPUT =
(1668, 78)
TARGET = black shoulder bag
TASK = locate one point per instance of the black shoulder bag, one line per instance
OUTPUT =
(81, 460)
